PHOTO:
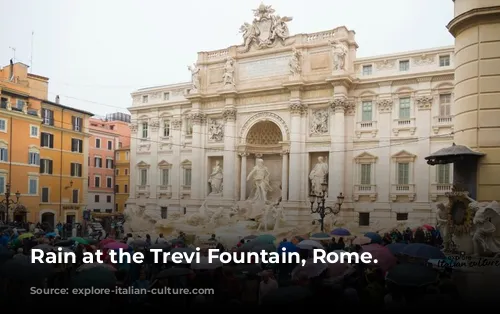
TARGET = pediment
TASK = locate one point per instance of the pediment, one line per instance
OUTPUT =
(186, 164)
(164, 164)
(365, 157)
(404, 155)
(142, 164)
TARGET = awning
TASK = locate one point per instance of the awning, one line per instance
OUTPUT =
(451, 154)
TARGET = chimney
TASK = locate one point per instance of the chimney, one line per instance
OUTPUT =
(57, 99)
(11, 76)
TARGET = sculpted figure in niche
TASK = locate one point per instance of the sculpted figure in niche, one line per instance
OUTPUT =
(318, 176)
(228, 76)
(294, 63)
(195, 76)
(216, 179)
(319, 123)
(260, 175)
(216, 131)
(339, 51)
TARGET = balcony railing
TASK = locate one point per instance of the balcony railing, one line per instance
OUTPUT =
(440, 189)
(365, 190)
(407, 124)
(403, 190)
(366, 127)
(442, 122)
(164, 191)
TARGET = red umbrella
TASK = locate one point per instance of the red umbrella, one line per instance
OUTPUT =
(116, 246)
(385, 259)
(106, 241)
(428, 227)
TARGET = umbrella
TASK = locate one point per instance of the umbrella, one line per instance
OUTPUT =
(177, 242)
(91, 241)
(250, 237)
(297, 239)
(285, 295)
(44, 247)
(185, 251)
(309, 245)
(424, 251)
(116, 246)
(310, 269)
(24, 270)
(64, 243)
(376, 238)
(320, 236)
(338, 269)
(160, 246)
(266, 247)
(26, 236)
(340, 232)
(413, 275)
(80, 240)
(428, 227)
(106, 241)
(174, 272)
(5, 253)
(97, 277)
(248, 268)
(86, 267)
(247, 247)
(384, 257)
(139, 243)
(205, 264)
(396, 248)
(287, 247)
(51, 235)
(267, 238)
(362, 240)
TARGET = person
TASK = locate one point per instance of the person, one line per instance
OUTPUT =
(267, 285)
(161, 239)
(341, 244)
(148, 240)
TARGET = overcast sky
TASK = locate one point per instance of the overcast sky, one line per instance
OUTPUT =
(96, 52)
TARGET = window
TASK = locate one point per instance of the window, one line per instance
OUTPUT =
(4, 102)
(47, 116)
(34, 158)
(110, 145)
(125, 188)
(166, 96)
(45, 166)
(109, 210)
(3, 125)
(109, 163)
(116, 207)
(20, 104)
(45, 195)
(366, 111)
(443, 173)
(126, 172)
(117, 188)
(47, 140)
(97, 143)
(189, 127)
(97, 181)
(164, 177)
(403, 171)
(117, 172)
(33, 131)
(404, 65)
(187, 177)
(76, 145)
(164, 211)
(77, 123)
(367, 69)
(96, 198)
(33, 186)
(143, 177)
(108, 198)
(364, 219)
(120, 144)
(366, 174)
(117, 156)
(127, 155)
(3, 182)
(444, 61)
(75, 197)
(109, 182)
(404, 108)
(144, 130)
(4, 154)
(401, 216)
(166, 128)
(76, 169)
(145, 99)
(445, 105)
(98, 162)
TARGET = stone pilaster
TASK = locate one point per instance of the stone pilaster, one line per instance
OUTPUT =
(297, 110)
(176, 175)
(383, 170)
(229, 115)
(284, 175)
(336, 162)
(154, 179)
(243, 176)
(197, 119)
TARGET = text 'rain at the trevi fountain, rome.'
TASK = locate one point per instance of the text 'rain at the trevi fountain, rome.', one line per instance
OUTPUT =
(263, 125)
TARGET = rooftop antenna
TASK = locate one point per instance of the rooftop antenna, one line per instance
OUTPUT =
(14, 52)
(31, 57)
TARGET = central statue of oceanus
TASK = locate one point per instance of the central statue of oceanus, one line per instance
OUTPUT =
(260, 175)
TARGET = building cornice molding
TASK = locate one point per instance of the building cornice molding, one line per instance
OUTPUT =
(472, 18)
(392, 81)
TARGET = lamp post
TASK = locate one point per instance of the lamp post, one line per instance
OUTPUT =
(321, 209)
(7, 202)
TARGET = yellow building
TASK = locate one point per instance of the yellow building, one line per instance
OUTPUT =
(122, 177)
(43, 150)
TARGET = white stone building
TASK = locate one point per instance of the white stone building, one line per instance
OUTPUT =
(289, 100)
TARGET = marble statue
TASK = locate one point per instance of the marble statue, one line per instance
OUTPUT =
(228, 76)
(216, 131)
(442, 225)
(250, 33)
(319, 122)
(195, 76)
(280, 28)
(294, 64)
(486, 225)
(260, 175)
(318, 176)
(216, 179)
(339, 51)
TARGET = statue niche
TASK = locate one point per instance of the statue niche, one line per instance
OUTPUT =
(264, 133)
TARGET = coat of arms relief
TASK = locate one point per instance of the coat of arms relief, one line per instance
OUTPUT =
(266, 30)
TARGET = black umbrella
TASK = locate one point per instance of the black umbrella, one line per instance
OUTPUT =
(23, 269)
(250, 237)
(177, 242)
(161, 246)
(412, 275)
(64, 243)
(248, 268)
(286, 295)
(174, 272)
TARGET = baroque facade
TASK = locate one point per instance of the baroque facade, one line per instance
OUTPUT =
(290, 100)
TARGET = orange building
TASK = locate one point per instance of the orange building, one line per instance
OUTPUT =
(43, 149)
(122, 177)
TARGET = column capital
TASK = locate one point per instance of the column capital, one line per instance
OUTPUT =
(244, 154)
(385, 105)
(424, 102)
(197, 118)
(176, 124)
(297, 107)
(339, 105)
(258, 155)
(229, 114)
(285, 152)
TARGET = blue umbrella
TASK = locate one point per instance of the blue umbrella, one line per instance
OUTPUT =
(321, 236)
(341, 232)
(397, 248)
(376, 238)
(288, 246)
(51, 235)
(425, 251)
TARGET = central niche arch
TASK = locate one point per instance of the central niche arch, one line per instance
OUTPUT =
(273, 123)
(264, 133)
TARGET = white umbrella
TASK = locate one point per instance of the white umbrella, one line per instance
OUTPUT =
(205, 264)
(310, 269)
(309, 245)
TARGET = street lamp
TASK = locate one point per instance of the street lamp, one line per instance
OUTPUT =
(321, 209)
(7, 202)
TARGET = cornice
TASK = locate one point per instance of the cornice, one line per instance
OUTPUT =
(391, 81)
(472, 18)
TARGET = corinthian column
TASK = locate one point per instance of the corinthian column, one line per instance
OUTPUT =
(197, 118)
(297, 109)
(336, 162)
(284, 175)
(176, 176)
(243, 176)
(229, 116)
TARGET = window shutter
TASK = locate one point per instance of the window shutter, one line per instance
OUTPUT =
(79, 170)
(80, 146)
(50, 166)
(42, 140)
(42, 166)
(72, 169)
(73, 122)
(43, 114)
(37, 158)
(51, 144)
(29, 158)
(73, 145)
